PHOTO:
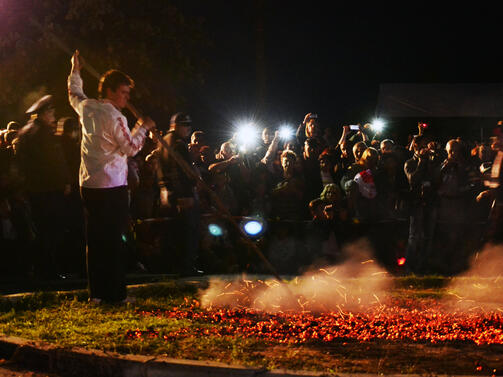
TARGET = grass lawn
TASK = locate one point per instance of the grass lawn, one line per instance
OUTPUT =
(409, 331)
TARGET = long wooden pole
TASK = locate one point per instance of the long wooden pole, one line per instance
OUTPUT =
(223, 211)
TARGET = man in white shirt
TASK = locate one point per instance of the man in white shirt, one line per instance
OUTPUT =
(106, 144)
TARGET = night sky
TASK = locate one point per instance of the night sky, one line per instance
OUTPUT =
(331, 60)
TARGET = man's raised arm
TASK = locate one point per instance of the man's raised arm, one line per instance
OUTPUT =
(75, 92)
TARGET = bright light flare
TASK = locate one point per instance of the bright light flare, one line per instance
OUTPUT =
(401, 261)
(247, 136)
(253, 228)
(215, 230)
(286, 132)
(378, 125)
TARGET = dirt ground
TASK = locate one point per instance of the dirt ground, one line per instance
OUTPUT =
(376, 357)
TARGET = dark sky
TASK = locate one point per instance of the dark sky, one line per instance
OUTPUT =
(331, 60)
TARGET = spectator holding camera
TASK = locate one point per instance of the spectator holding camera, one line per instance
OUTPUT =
(343, 160)
(271, 153)
(456, 191)
(237, 172)
(311, 169)
(393, 183)
(354, 133)
(266, 139)
(423, 175)
(310, 128)
(356, 167)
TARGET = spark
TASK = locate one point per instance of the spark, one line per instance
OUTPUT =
(328, 272)
(377, 299)
(368, 261)
(455, 294)
(352, 312)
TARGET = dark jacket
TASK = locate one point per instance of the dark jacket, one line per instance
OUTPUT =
(423, 175)
(178, 184)
(41, 158)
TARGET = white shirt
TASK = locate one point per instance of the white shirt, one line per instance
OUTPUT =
(106, 139)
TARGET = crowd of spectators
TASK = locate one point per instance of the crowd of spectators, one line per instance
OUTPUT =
(315, 193)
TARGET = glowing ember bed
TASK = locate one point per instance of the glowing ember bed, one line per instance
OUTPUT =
(390, 321)
(347, 324)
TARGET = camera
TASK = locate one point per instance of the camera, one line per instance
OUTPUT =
(354, 127)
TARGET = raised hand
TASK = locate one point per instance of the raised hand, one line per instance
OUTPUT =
(76, 64)
(306, 118)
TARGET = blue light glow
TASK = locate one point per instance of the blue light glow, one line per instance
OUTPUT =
(253, 227)
(215, 230)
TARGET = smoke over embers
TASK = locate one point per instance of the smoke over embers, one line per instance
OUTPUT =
(481, 287)
(352, 286)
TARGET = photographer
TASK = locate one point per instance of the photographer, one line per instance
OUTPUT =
(359, 133)
(266, 139)
(233, 165)
(271, 153)
(178, 196)
(343, 160)
(456, 193)
(354, 168)
(310, 168)
(309, 129)
(393, 183)
(423, 175)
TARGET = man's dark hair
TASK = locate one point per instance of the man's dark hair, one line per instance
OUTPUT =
(200, 134)
(112, 79)
(327, 155)
(289, 154)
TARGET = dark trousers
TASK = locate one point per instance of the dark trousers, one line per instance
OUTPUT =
(47, 210)
(107, 216)
(421, 231)
(181, 240)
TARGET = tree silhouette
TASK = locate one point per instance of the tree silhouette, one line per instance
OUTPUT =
(152, 41)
